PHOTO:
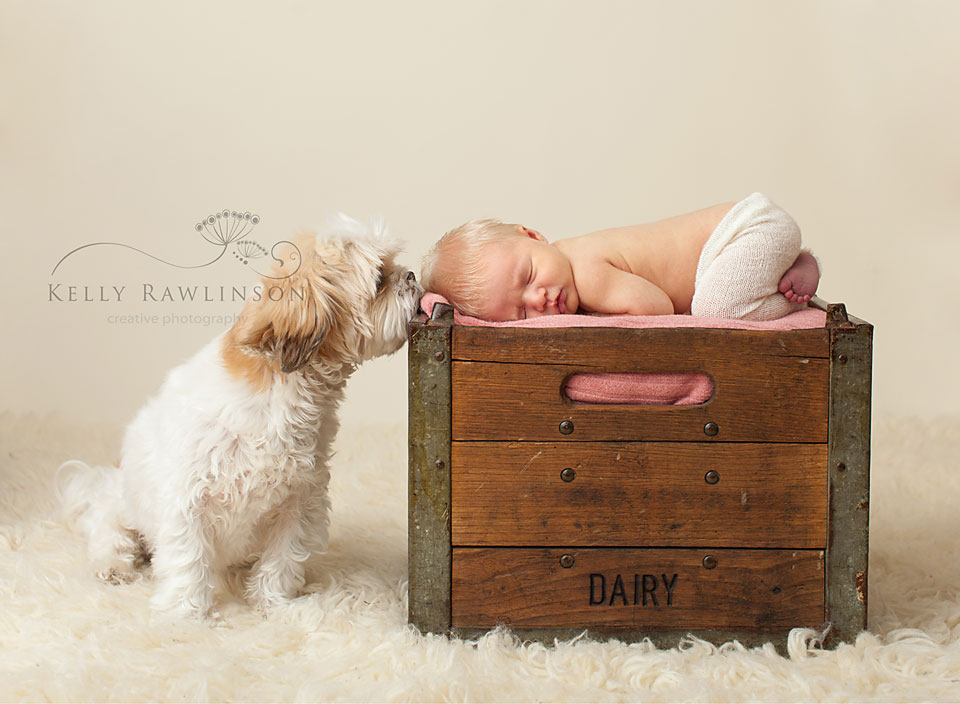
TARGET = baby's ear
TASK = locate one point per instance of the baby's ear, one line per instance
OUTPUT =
(531, 233)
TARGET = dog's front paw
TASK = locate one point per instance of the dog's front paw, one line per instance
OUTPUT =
(181, 604)
(270, 587)
(271, 606)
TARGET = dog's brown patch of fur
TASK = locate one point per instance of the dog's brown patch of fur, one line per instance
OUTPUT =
(282, 331)
(257, 372)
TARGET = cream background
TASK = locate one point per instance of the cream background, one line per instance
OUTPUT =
(129, 122)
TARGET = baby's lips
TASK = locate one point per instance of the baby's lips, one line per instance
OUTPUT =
(562, 302)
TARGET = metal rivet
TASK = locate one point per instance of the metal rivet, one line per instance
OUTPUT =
(568, 475)
(841, 466)
(566, 561)
(709, 562)
(711, 428)
(438, 464)
(566, 427)
(842, 359)
(711, 477)
(438, 355)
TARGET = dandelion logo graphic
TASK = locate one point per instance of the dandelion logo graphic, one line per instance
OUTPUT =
(224, 229)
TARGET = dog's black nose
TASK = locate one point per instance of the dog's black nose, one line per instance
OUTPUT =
(411, 276)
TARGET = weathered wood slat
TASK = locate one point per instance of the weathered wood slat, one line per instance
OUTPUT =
(651, 494)
(610, 347)
(756, 399)
(851, 375)
(428, 488)
(750, 590)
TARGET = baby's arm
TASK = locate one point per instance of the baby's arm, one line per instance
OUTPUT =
(606, 289)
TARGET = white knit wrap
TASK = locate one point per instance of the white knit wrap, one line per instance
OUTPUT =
(742, 263)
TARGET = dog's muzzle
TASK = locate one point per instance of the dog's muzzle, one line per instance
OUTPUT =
(410, 281)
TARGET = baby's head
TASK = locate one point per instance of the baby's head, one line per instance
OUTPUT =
(495, 271)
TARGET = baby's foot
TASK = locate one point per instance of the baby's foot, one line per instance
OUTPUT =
(800, 281)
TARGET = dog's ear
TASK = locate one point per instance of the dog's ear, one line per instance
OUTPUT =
(293, 349)
(286, 330)
(293, 315)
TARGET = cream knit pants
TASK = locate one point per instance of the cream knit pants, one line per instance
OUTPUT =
(742, 263)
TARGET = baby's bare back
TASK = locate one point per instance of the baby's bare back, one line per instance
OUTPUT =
(665, 252)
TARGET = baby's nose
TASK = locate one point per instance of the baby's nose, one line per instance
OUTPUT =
(536, 299)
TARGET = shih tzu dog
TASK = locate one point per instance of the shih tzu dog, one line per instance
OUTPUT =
(227, 467)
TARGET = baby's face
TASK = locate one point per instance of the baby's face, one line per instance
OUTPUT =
(526, 277)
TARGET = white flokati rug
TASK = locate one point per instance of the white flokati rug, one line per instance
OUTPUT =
(64, 636)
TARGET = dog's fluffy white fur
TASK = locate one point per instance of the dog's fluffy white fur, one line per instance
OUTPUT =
(227, 467)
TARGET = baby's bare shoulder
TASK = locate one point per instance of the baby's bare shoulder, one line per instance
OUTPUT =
(594, 248)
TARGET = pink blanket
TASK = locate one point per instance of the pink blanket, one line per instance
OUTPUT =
(642, 389)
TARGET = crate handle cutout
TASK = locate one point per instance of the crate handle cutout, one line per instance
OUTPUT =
(640, 388)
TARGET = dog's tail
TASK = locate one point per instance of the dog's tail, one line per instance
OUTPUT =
(86, 494)
(91, 503)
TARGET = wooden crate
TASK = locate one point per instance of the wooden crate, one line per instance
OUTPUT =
(553, 517)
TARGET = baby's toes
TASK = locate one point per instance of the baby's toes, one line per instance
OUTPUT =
(784, 286)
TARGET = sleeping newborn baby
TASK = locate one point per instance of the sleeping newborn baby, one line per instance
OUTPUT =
(736, 260)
